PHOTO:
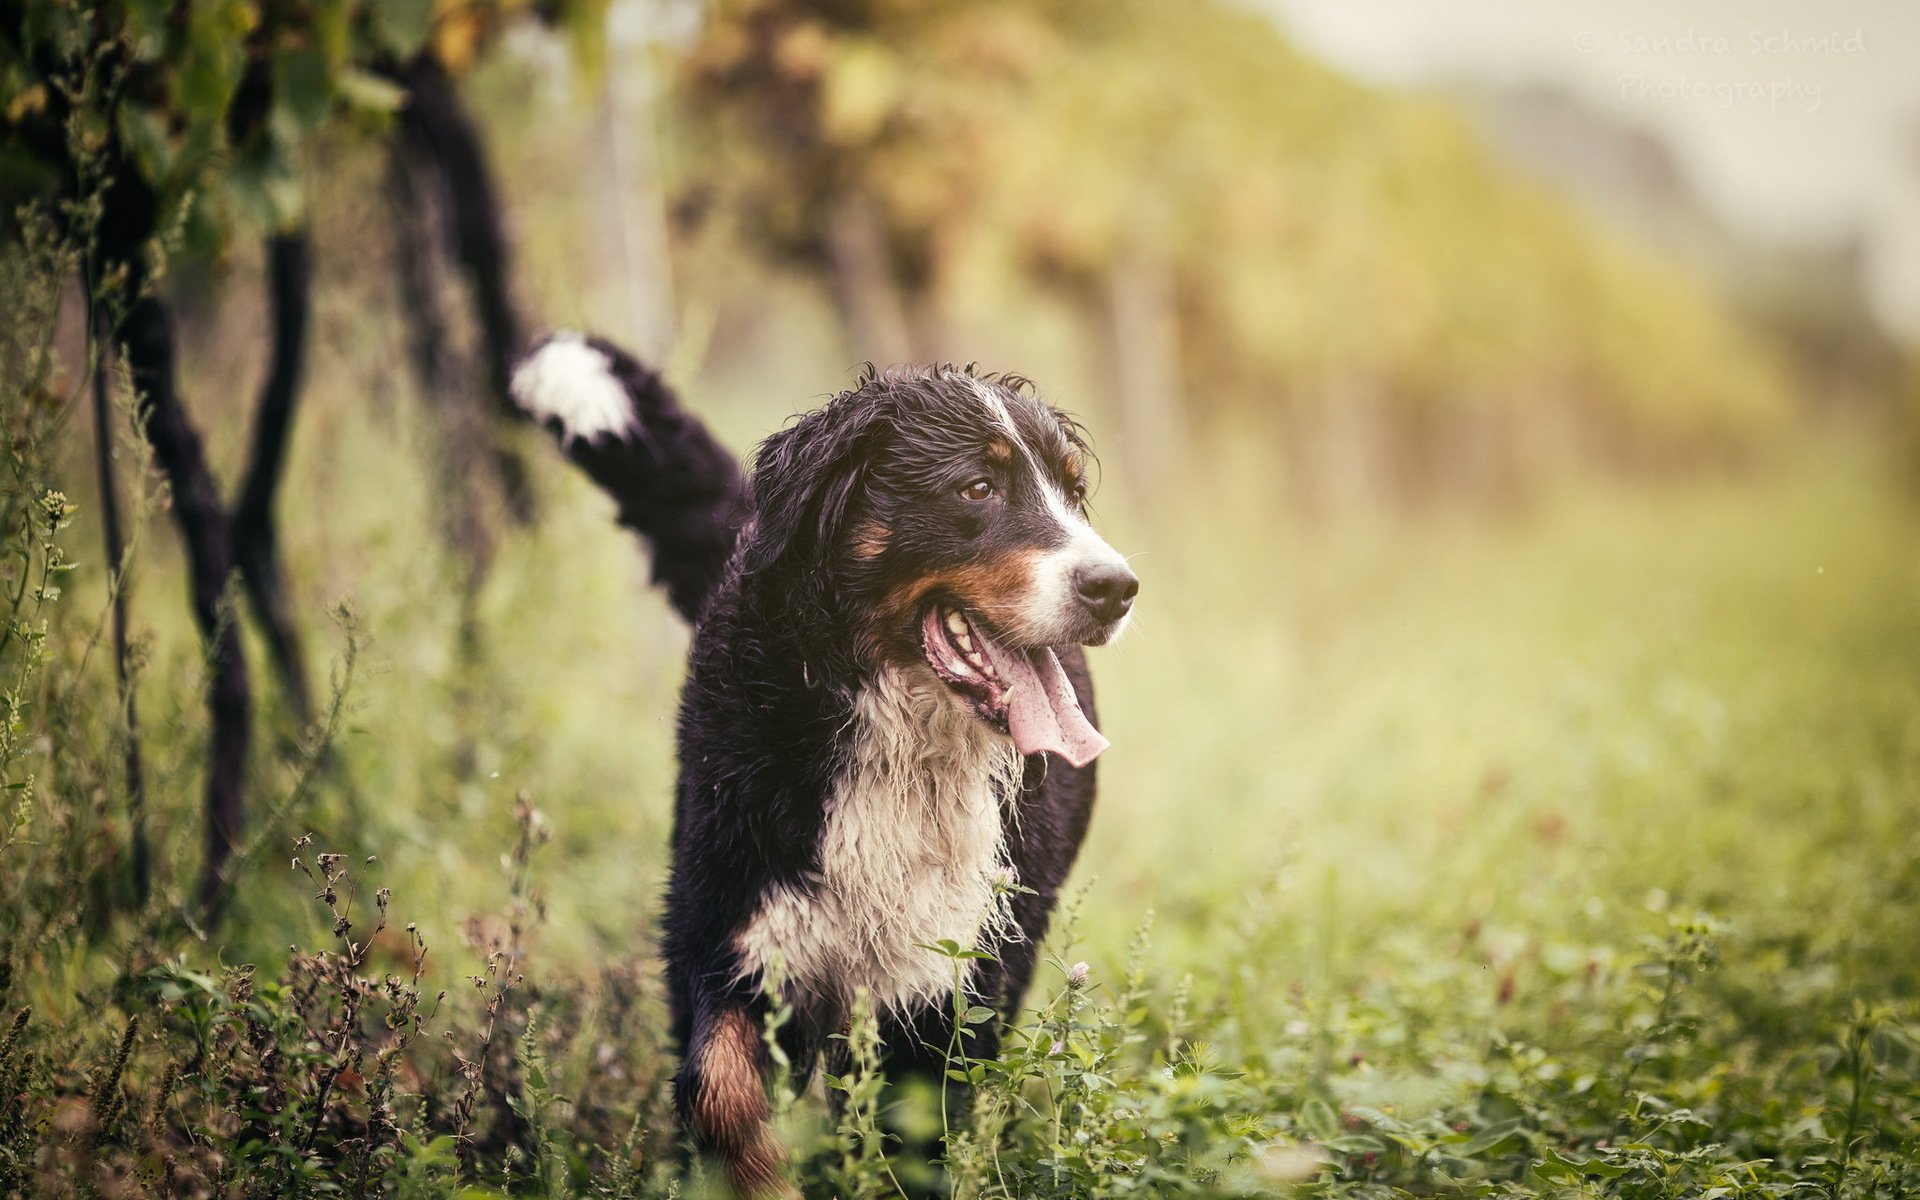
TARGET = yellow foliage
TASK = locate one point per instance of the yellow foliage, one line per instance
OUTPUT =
(1325, 239)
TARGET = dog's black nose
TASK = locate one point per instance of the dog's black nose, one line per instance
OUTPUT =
(1107, 589)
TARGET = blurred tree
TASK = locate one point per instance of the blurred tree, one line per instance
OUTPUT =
(157, 130)
(853, 138)
(1241, 228)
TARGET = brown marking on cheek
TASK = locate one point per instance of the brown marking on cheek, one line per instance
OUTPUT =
(992, 584)
(728, 1110)
(870, 540)
(990, 587)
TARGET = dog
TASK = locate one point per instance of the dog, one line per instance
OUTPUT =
(887, 734)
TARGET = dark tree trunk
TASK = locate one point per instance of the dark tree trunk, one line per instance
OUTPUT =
(443, 374)
(255, 538)
(146, 335)
(437, 123)
(436, 129)
(116, 548)
(466, 499)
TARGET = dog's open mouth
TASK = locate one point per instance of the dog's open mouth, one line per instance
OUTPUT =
(1021, 690)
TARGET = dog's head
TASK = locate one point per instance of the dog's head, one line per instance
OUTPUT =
(933, 519)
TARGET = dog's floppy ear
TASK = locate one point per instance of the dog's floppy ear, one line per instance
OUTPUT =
(805, 478)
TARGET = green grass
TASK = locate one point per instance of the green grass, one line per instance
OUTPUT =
(1563, 849)
(1571, 849)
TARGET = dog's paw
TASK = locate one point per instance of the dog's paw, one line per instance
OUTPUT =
(569, 383)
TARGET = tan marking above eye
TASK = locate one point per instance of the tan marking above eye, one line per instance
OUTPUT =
(999, 450)
(870, 539)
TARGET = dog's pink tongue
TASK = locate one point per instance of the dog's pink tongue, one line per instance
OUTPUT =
(1042, 712)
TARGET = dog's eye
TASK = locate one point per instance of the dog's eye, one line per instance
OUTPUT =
(1078, 491)
(979, 489)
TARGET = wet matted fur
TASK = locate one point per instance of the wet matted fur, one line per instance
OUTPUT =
(886, 737)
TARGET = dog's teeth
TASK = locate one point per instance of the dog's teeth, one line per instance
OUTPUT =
(956, 624)
(966, 644)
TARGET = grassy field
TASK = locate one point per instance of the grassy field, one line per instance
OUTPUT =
(1566, 850)
(1560, 837)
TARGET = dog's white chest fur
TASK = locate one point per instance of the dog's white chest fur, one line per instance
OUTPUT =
(912, 853)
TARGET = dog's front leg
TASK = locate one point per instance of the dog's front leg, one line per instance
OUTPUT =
(721, 1092)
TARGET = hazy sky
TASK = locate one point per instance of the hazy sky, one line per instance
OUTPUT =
(1794, 119)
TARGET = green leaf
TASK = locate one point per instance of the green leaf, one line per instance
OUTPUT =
(1357, 1143)
(213, 60)
(302, 91)
(1317, 1118)
(146, 27)
(1475, 1144)
(370, 93)
(1554, 1166)
(331, 28)
(401, 26)
(265, 190)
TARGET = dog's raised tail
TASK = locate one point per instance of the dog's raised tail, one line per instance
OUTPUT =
(675, 485)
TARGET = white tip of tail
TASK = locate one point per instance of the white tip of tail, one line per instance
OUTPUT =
(567, 380)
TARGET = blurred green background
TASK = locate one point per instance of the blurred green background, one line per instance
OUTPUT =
(1452, 500)
(1528, 549)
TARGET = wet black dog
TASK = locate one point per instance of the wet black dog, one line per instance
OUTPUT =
(886, 736)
